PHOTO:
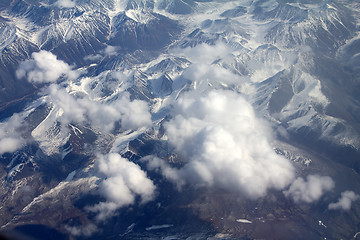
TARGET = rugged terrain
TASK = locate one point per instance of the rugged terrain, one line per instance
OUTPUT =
(176, 119)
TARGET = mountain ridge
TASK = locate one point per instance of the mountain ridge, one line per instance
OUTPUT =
(150, 87)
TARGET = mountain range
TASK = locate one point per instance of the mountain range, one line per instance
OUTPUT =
(180, 119)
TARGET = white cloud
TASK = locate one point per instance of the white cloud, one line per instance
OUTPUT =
(345, 201)
(9, 144)
(86, 230)
(10, 138)
(44, 67)
(71, 109)
(124, 181)
(131, 114)
(111, 117)
(204, 53)
(205, 72)
(66, 3)
(223, 144)
(110, 51)
(172, 174)
(203, 75)
(93, 57)
(310, 190)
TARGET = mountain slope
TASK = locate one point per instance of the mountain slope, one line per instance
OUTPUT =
(180, 118)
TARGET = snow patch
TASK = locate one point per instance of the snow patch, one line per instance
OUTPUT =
(49, 134)
(79, 185)
(322, 224)
(156, 227)
(71, 176)
(140, 16)
(243, 221)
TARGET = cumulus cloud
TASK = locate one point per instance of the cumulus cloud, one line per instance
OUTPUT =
(130, 114)
(344, 201)
(44, 67)
(309, 190)
(223, 144)
(66, 3)
(124, 182)
(10, 138)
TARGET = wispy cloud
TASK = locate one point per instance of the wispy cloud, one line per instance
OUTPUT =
(204, 53)
(86, 230)
(66, 3)
(109, 51)
(203, 75)
(345, 201)
(10, 137)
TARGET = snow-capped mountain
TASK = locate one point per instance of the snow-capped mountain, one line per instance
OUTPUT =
(180, 118)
